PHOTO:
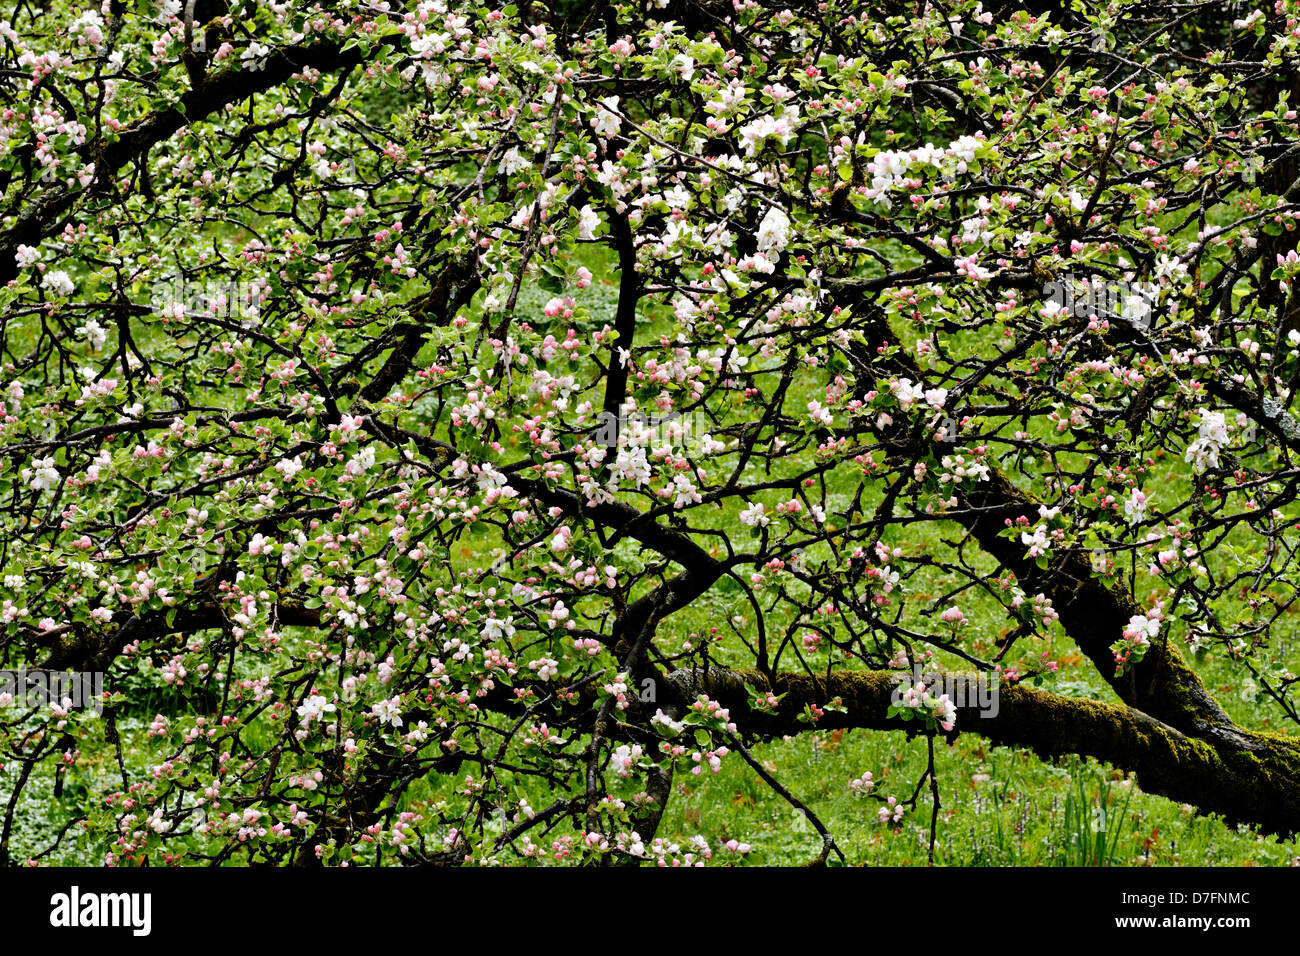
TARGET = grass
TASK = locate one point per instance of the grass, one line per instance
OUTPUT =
(1000, 807)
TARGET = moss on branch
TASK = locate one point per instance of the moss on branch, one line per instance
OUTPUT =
(1247, 777)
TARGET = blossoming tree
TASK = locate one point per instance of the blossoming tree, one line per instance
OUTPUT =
(383, 384)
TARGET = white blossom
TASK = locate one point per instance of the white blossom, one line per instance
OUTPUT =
(57, 281)
(773, 231)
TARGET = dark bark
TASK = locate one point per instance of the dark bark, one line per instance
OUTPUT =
(1247, 777)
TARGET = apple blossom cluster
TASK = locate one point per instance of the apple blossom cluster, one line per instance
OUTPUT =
(917, 701)
(1211, 436)
(1138, 636)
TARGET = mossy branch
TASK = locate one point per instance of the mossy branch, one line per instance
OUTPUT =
(1247, 777)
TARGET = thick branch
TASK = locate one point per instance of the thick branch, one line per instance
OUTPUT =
(1246, 777)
